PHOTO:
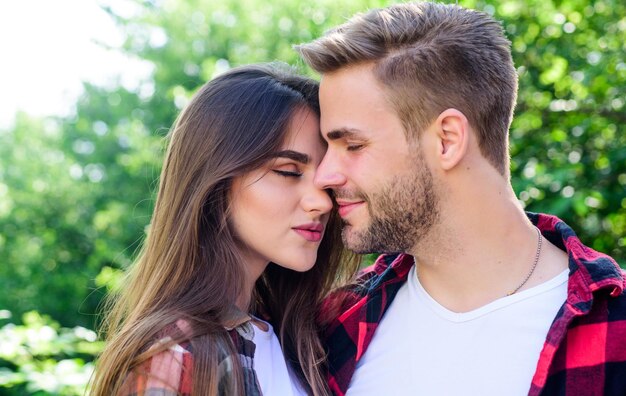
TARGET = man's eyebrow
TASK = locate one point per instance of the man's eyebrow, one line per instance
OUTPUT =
(341, 133)
(294, 155)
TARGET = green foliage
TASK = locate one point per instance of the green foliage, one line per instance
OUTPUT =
(74, 198)
(41, 358)
(76, 193)
(568, 140)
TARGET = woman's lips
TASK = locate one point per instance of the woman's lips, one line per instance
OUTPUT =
(309, 235)
(312, 232)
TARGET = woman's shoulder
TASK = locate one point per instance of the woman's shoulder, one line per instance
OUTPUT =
(168, 372)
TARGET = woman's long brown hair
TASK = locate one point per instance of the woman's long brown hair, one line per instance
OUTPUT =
(189, 267)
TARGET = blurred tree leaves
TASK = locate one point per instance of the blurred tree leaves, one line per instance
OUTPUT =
(568, 140)
(41, 358)
(76, 193)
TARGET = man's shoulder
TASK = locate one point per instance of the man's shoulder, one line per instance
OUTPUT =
(616, 308)
(608, 312)
(601, 328)
(592, 352)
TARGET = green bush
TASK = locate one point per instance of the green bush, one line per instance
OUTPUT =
(39, 357)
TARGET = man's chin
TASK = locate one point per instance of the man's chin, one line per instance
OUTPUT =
(353, 240)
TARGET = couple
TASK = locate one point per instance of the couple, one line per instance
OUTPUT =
(244, 287)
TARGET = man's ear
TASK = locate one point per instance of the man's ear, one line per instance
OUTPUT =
(453, 137)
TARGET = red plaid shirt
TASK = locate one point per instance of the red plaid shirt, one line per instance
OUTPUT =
(584, 352)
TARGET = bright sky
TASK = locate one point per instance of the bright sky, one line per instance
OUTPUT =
(47, 48)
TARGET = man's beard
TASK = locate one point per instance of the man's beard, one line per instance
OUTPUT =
(401, 214)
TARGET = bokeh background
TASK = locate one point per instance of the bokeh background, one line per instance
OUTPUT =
(77, 189)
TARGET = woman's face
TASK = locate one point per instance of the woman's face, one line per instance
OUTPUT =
(278, 215)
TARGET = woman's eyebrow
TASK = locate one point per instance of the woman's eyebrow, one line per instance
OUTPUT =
(294, 155)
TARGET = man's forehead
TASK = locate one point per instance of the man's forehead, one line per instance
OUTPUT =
(348, 74)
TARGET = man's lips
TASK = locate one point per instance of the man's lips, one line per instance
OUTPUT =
(345, 207)
(312, 232)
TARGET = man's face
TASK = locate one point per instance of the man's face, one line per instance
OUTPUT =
(382, 184)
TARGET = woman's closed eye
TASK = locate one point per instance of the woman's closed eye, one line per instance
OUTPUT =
(287, 171)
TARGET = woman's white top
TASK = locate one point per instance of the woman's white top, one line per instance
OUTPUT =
(274, 375)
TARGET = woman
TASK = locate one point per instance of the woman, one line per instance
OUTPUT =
(241, 244)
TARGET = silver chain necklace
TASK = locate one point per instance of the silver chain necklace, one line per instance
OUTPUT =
(537, 253)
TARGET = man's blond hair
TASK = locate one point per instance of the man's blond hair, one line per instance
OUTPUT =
(430, 57)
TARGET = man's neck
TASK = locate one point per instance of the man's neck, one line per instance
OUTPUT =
(482, 249)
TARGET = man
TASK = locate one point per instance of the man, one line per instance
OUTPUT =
(474, 296)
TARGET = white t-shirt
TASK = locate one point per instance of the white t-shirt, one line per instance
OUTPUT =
(273, 373)
(422, 348)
